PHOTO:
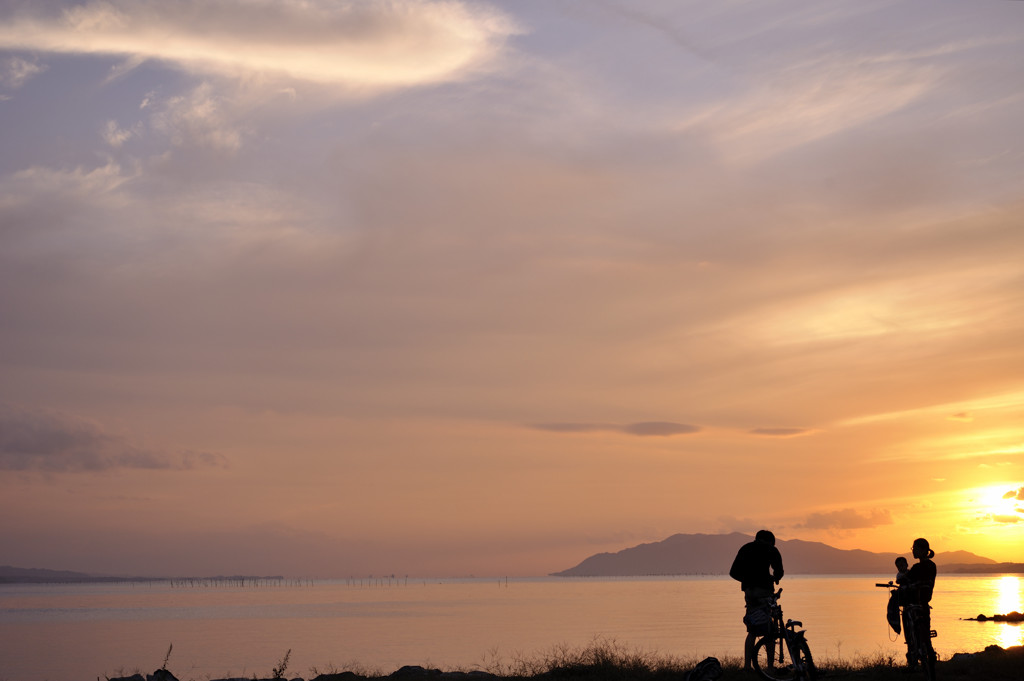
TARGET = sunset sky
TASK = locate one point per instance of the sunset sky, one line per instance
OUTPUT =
(330, 288)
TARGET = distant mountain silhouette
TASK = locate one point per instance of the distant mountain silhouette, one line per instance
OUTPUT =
(17, 575)
(10, 575)
(712, 554)
(984, 568)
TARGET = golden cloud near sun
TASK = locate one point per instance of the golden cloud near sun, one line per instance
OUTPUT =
(361, 44)
(1001, 503)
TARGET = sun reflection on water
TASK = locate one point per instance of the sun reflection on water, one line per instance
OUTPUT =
(1008, 600)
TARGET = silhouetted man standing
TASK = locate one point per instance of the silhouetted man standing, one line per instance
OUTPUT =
(758, 568)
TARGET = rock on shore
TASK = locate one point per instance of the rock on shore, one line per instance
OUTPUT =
(1013, 616)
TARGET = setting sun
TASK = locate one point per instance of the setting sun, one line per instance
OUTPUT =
(1000, 503)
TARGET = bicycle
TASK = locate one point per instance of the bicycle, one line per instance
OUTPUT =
(917, 631)
(783, 654)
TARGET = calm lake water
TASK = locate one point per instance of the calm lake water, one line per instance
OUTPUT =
(70, 632)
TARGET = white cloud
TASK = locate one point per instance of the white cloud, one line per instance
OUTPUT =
(200, 119)
(355, 44)
(115, 135)
(31, 183)
(809, 102)
(15, 71)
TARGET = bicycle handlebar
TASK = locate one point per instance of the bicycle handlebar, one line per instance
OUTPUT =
(888, 585)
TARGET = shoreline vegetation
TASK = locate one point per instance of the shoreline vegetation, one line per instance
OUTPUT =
(609, 661)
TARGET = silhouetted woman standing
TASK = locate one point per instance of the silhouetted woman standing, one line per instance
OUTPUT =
(917, 588)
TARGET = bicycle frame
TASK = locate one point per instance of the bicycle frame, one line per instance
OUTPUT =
(781, 640)
(917, 633)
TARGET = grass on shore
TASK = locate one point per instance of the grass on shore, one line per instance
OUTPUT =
(607, 660)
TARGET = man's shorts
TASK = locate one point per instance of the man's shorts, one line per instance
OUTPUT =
(758, 617)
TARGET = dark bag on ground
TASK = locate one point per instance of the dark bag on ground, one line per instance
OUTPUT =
(708, 669)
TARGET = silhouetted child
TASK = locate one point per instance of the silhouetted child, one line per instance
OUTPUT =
(892, 611)
(901, 569)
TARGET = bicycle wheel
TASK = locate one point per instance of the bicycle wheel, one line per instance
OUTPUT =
(807, 662)
(928, 657)
(925, 652)
(772, 660)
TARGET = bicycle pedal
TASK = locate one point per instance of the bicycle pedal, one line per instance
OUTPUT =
(933, 633)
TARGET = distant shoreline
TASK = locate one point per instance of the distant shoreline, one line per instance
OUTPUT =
(279, 580)
(39, 576)
(952, 569)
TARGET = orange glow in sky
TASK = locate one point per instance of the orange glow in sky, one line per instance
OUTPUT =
(451, 288)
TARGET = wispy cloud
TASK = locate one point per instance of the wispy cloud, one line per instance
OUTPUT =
(846, 519)
(201, 119)
(781, 432)
(809, 102)
(51, 441)
(641, 429)
(659, 428)
(115, 135)
(39, 182)
(358, 44)
(16, 71)
(994, 402)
